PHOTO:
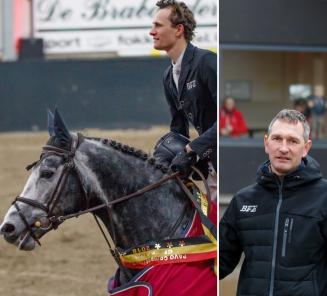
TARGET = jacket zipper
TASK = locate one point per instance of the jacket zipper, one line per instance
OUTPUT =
(289, 237)
(273, 260)
(285, 233)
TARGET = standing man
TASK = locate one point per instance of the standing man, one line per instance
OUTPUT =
(280, 222)
(190, 84)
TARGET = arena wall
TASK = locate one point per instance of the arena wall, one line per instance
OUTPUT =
(111, 93)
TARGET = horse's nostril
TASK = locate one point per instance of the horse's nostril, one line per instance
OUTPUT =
(7, 228)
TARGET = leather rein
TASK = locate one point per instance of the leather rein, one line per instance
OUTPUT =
(52, 220)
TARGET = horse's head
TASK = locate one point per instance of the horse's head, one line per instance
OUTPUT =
(49, 192)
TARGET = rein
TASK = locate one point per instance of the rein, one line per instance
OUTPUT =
(121, 199)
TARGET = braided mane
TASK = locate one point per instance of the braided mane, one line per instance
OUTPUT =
(131, 151)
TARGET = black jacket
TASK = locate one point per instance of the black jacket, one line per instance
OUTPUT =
(282, 229)
(196, 100)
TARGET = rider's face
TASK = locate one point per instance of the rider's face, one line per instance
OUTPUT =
(164, 34)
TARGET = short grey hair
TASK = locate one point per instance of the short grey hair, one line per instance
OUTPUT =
(292, 116)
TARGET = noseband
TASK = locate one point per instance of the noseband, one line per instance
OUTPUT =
(51, 221)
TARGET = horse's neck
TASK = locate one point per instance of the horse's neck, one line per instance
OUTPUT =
(151, 216)
(116, 172)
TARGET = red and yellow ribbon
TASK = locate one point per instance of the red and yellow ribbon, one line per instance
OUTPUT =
(188, 249)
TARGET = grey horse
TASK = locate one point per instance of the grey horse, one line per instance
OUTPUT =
(103, 170)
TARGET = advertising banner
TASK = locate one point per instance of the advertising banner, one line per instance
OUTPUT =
(115, 26)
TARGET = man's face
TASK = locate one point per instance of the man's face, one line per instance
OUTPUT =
(164, 35)
(285, 146)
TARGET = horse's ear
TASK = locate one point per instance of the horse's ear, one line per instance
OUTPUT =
(50, 123)
(60, 130)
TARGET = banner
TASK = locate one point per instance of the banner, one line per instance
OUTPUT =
(115, 26)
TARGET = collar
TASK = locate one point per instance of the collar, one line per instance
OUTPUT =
(266, 169)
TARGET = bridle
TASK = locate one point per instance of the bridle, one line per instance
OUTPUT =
(52, 221)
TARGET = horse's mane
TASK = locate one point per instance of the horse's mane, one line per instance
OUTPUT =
(139, 153)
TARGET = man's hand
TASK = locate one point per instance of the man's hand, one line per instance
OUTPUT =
(182, 163)
(203, 166)
(188, 148)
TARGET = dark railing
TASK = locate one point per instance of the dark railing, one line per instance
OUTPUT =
(256, 130)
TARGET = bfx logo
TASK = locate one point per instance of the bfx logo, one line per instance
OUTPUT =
(191, 84)
(249, 209)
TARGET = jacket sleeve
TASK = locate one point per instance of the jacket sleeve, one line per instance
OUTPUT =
(206, 141)
(178, 123)
(240, 128)
(208, 68)
(204, 144)
(323, 229)
(230, 248)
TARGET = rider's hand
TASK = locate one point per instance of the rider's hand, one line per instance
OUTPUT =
(203, 166)
(182, 163)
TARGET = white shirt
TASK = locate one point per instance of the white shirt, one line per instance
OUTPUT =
(177, 68)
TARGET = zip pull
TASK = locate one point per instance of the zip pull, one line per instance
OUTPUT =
(285, 234)
(287, 222)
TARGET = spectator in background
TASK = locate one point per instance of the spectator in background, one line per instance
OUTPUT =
(317, 105)
(302, 106)
(231, 121)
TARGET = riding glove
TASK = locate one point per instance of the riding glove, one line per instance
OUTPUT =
(203, 166)
(182, 163)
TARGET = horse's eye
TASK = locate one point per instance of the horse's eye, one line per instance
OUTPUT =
(46, 174)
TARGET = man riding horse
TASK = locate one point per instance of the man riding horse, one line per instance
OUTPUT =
(190, 85)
